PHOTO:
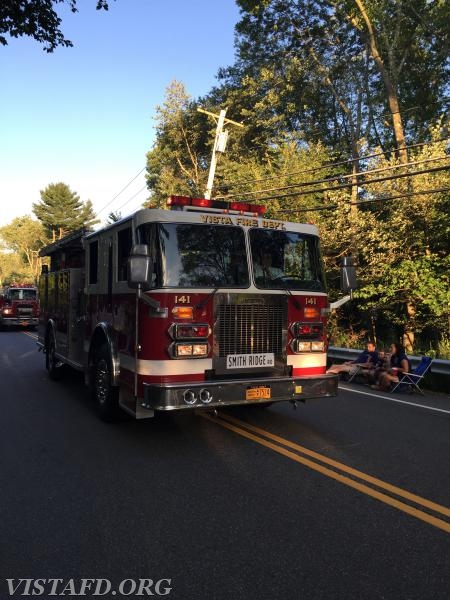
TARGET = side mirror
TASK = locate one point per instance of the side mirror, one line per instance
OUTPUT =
(140, 266)
(348, 274)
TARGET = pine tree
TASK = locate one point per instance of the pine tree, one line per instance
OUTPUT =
(61, 211)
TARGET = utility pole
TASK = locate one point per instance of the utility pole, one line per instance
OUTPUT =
(220, 143)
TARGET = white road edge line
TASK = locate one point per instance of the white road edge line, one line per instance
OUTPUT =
(447, 412)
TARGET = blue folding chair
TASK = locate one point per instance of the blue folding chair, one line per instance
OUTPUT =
(410, 381)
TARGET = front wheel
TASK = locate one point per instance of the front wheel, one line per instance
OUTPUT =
(106, 395)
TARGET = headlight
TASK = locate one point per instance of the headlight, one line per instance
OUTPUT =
(189, 350)
(318, 346)
(300, 346)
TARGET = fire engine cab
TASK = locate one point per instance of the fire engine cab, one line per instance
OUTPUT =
(19, 306)
(205, 305)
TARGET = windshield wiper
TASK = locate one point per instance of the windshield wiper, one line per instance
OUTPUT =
(288, 292)
(205, 301)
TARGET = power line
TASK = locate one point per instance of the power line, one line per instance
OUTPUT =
(337, 177)
(132, 197)
(121, 191)
(327, 165)
(362, 184)
(371, 200)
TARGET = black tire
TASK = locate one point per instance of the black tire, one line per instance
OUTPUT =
(52, 364)
(106, 395)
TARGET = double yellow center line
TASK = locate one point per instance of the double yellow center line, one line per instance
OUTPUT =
(366, 484)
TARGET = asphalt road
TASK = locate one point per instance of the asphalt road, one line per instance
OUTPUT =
(343, 498)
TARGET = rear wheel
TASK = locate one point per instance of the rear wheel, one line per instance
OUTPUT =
(52, 364)
(106, 395)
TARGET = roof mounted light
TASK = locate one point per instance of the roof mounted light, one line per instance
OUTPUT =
(204, 204)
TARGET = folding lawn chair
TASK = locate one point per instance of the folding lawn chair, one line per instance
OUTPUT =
(411, 381)
(357, 370)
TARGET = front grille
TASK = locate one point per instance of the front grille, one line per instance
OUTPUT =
(252, 326)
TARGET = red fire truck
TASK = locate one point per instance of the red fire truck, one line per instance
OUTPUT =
(207, 304)
(19, 306)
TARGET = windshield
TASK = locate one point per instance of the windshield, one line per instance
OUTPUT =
(196, 255)
(286, 259)
(22, 294)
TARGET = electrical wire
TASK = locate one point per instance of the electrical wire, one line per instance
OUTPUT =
(132, 197)
(121, 191)
(368, 201)
(327, 165)
(360, 184)
(337, 177)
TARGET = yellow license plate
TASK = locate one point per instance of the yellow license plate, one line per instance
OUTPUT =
(258, 393)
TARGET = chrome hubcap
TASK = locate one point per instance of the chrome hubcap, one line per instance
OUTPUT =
(102, 381)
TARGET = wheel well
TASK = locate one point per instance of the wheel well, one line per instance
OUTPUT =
(101, 341)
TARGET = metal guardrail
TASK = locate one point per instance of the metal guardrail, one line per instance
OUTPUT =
(438, 366)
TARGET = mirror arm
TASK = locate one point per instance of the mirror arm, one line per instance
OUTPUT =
(339, 303)
(154, 304)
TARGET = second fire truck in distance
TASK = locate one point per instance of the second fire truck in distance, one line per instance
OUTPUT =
(19, 307)
(207, 304)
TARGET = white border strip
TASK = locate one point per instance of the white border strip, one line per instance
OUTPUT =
(447, 412)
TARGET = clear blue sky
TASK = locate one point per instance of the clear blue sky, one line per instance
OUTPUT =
(85, 115)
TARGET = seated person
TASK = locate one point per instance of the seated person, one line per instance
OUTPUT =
(368, 359)
(399, 364)
(265, 271)
(372, 373)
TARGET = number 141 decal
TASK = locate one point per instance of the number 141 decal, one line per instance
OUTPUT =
(182, 299)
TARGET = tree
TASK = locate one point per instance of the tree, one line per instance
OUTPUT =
(12, 269)
(113, 217)
(61, 211)
(407, 275)
(178, 161)
(37, 19)
(24, 237)
(342, 72)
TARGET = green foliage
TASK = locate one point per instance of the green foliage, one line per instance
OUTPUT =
(22, 239)
(443, 350)
(314, 82)
(13, 269)
(177, 164)
(61, 211)
(309, 67)
(37, 19)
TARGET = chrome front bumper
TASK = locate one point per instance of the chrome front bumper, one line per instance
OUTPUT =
(215, 394)
(19, 321)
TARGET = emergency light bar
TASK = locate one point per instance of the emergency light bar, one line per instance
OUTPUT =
(188, 203)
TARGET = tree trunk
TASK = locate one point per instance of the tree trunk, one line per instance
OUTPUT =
(391, 92)
(409, 333)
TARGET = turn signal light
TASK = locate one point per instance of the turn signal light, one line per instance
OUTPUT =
(311, 312)
(183, 312)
